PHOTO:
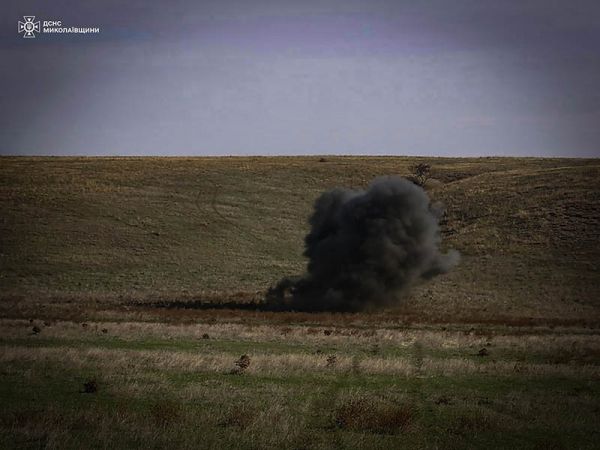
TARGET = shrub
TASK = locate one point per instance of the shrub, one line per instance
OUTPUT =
(331, 360)
(90, 387)
(483, 352)
(241, 365)
(420, 174)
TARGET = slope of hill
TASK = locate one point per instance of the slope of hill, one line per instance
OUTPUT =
(104, 229)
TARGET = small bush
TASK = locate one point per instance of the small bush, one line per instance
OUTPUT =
(443, 400)
(243, 362)
(90, 387)
(373, 416)
(420, 174)
(331, 361)
(241, 365)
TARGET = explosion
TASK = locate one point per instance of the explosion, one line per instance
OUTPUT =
(366, 248)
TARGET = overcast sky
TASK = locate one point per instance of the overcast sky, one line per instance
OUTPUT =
(189, 77)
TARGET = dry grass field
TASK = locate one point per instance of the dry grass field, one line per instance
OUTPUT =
(130, 288)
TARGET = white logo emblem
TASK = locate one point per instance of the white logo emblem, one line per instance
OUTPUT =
(29, 27)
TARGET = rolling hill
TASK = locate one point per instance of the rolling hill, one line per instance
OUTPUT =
(225, 229)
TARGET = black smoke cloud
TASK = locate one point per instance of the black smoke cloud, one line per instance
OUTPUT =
(366, 248)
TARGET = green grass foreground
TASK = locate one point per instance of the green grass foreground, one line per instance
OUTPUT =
(177, 385)
(114, 274)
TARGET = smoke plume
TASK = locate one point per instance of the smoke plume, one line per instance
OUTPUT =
(366, 248)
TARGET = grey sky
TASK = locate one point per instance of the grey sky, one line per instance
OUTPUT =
(244, 77)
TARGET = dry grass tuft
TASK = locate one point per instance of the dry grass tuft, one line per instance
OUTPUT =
(240, 416)
(374, 416)
(165, 413)
(467, 424)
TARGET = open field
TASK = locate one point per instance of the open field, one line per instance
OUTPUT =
(144, 276)
(165, 384)
(105, 229)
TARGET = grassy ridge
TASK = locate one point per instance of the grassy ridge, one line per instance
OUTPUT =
(104, 228)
